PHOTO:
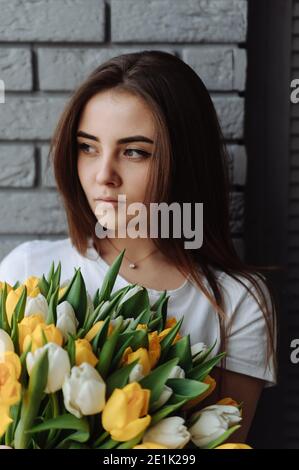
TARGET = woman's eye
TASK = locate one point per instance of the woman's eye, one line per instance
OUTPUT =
(87, 149)
(140, 153)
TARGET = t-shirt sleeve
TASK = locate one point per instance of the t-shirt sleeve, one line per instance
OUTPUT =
(14, 266)
(247, 336)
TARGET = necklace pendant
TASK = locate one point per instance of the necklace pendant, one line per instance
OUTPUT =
(132, 265)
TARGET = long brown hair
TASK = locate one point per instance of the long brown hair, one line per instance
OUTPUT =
(190, 164)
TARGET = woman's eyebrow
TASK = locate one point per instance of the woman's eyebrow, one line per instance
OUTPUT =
(124, 140)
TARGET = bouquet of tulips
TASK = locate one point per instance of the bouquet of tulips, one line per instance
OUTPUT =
(102, 373)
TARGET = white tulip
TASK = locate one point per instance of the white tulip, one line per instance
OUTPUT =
(66, 319)
(6, 343)
(163, 398)
(198, 350)
(84, 391)
(177, 373)
(169, 432)
(36, 305)
(59, 365)
(136, 373)
(130, 294)
(211, 422)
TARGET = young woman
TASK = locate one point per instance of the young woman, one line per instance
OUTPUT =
(143, 125)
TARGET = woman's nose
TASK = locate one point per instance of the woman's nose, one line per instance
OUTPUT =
(107, 170)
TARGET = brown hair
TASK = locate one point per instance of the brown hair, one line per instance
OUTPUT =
(190, 165)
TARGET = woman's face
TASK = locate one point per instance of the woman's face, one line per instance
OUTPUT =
(115, 144)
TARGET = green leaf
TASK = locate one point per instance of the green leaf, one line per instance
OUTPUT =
(130, 444)
(108, 349)
(157, 378)
(134, 305)
(204, 355)
(66, 421)
(202, 371)
(19, 310)
(166, 411)
(32, 400)
(76, 295)
(217, 442)
(119, 378)
(43, 286)
(101, 336)
(162, 310)
(155, 306)
(182, 350)
(110, 277)
(4, 325)
(50, 274)
(57, 275)
(52, 311)
(166, 342)
(71, 349)
(187, 388)
(143, 318)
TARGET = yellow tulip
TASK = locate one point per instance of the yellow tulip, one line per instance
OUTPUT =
(143, 358)
(5, 419)
(227, 402)
(169, 324)
(233, 446)
(150, 445)
(154, 348)
(126, 412)
(95, 329)
(84, 353)
(8, 286)
(12, 300)
(141, 326)
(10, 370)
(191, 403)
(27, 327)
(52, 334)
(32, 286)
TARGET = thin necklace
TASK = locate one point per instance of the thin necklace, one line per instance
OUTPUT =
(131, 264)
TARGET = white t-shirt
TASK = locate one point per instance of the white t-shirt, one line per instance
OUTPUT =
(246, 344)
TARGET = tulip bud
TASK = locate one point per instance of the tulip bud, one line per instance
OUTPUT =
(84, 391)
(59, 365)
(37, 306)
(136, 373)
(170, 432)
(163, 398)
(198, 350)
(177, 373)
(6, 343)
(66, 319)
(211, 422)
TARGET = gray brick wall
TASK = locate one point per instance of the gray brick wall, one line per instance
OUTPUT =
(47, 47)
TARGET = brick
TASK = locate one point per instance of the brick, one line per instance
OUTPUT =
(230, 111)
(44, 20)
(65, 68)
(239, 164)
(31, 212)
(36, 117)
(17, 166)
(240, 69)
(48, 179)
(15, 68)
(178, 21)
(237, 213)
(28, 117)
(217, 66)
